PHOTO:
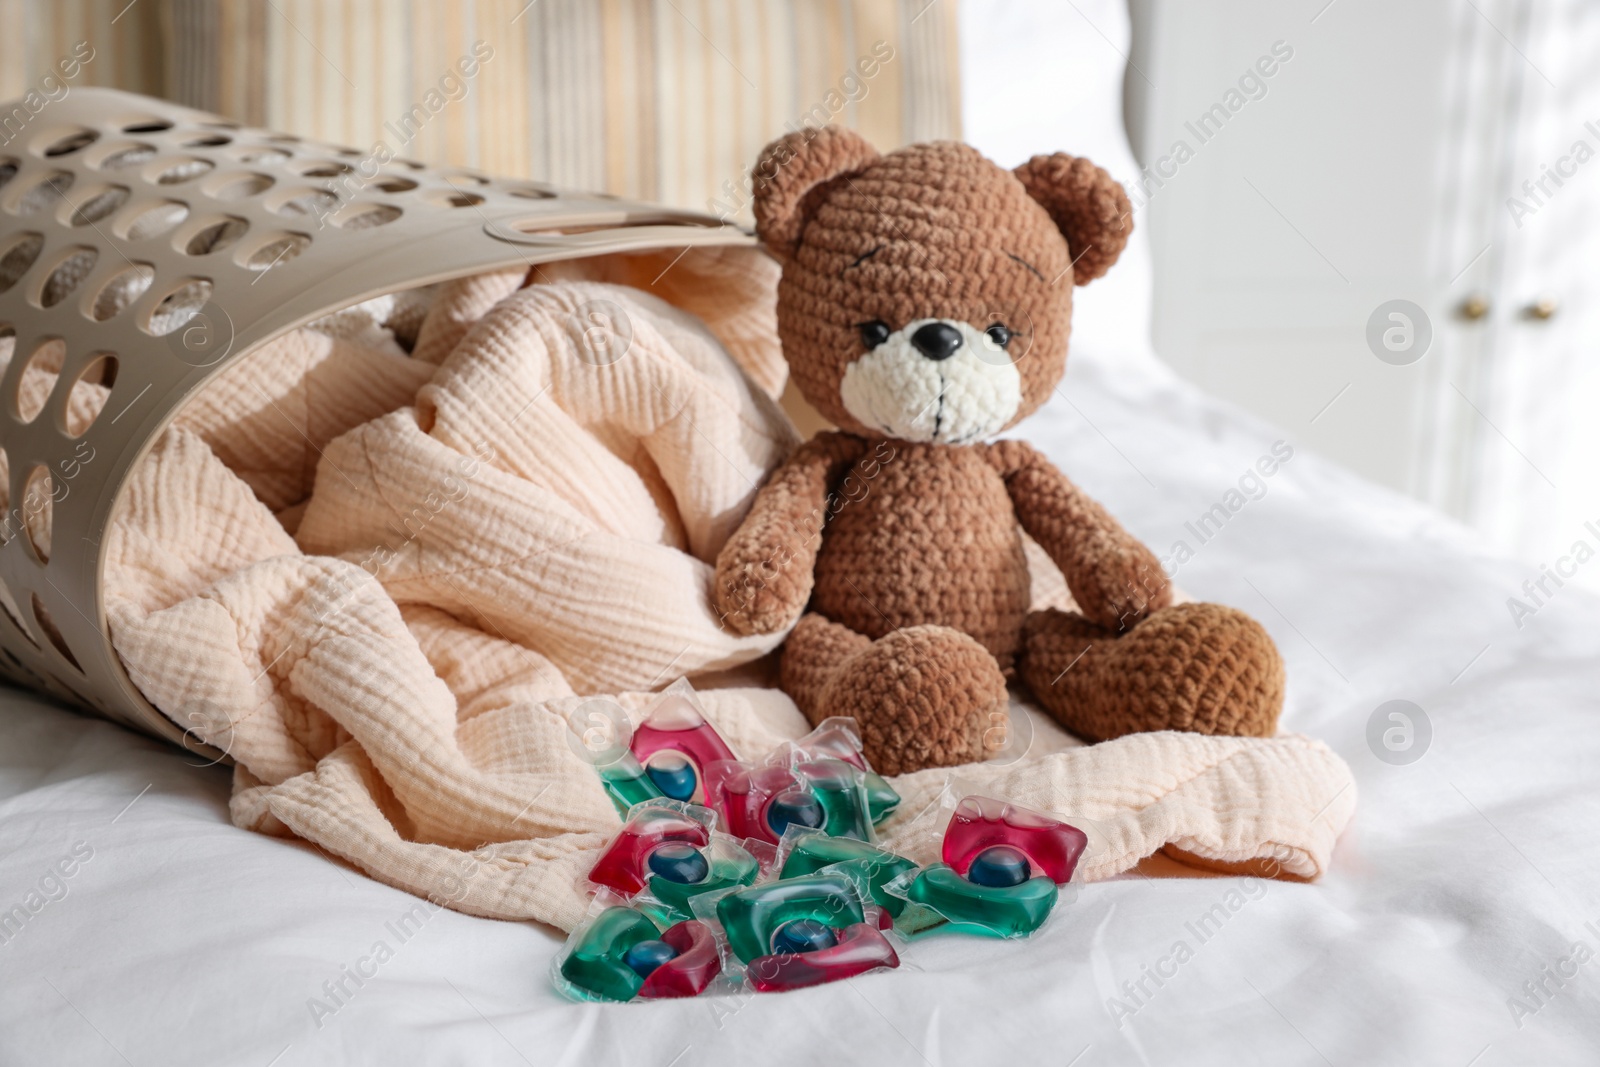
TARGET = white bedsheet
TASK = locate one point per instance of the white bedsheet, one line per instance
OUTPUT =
(182, 940)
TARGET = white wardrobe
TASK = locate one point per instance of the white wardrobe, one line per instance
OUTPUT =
(1445, 153)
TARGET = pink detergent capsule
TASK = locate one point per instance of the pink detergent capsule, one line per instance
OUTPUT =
(859, 948)
(1051, 847)
(623, 866)
(689, 972)
(761, 802)
(675, 744)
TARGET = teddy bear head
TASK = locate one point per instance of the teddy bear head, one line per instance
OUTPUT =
(926, 294)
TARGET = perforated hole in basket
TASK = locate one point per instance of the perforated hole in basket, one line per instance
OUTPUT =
(215, 235)
(38, 507)
(308, 202)
(38, 379)
(8, 347)
(47, 625)
(68, 274)
(239, 186)
(8, 170)
(179, 306)
(98, 205)
(120, 292)
(392, 184)
(71, 141)
(87, 397)
(321, 168)
(178, 171)
(366, 216)
(9, 603)
(151, 125)
(10, 520)
(456, 198)
(16, 256)
(276, 251)
(257, 154)
(152, 220)
(45, 192)
(207, 140)
(128, 156)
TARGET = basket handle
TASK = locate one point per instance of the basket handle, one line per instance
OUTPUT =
(654, 229)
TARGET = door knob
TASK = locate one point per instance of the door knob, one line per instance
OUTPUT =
(1543, 308)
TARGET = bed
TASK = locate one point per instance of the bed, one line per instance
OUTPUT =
(1458, 924)
(1462, 889)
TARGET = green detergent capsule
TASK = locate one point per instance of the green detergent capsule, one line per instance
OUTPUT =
(728, 867)
(868, 866)
(991, 911)
(598, 964)
(881, 797)
(626, 783)
(750, 917)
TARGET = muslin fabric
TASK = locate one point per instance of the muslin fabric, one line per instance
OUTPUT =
(381, 584)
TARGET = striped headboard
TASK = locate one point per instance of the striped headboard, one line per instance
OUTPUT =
(114, 45)
(665, 100)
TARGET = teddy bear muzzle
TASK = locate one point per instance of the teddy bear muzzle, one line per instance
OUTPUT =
(940, 381)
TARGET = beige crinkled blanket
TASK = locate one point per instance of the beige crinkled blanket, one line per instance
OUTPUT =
(505, 521)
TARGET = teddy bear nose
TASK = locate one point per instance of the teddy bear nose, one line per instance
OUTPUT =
(937, 340)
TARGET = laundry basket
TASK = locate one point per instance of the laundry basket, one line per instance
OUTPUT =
(147, 247)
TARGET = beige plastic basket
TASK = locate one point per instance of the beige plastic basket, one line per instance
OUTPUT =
(226, 237)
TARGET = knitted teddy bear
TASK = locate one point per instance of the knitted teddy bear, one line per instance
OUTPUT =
(924, 307)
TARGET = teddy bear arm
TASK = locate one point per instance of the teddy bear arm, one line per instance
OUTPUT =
(1114, 578)
(765, 571)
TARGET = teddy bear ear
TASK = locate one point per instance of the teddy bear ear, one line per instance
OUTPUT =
(794, 167)
(1088, 206)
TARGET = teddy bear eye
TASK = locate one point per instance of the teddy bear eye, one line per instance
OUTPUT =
(874, 333)
(999, 334)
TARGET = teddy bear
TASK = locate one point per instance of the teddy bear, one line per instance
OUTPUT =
(923, 307)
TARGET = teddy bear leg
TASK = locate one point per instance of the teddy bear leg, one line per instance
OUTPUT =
(1206, 668)
(811, 656)
(923, 696)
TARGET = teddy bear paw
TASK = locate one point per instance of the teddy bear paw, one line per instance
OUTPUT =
(758, 598)
(1205, 668)
(924, 696)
